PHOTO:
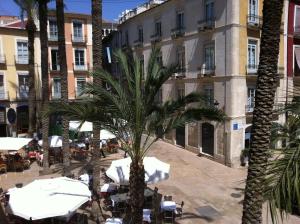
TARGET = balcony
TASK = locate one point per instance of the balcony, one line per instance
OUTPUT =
(180, 74)
(138, 43)
(206, 71)
(254, 22)
(2, 59)
(4, 95)
(297, 32)
(53, 38)
(249, 108)
(251, 69)
(78, 39)
(177, 32)
(155, 38)
(80, 68)
(206, 25)
(21, 60)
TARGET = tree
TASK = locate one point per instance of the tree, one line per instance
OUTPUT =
(97, 64)
(64, 81)
(30, 7)
(43, 12)
(262, 115)
(130, 110)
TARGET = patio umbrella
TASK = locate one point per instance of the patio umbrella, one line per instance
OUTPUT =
(13, 144)
(155, 170)
(104, 135)
(55, 141)
(57, 197)
(85, 127)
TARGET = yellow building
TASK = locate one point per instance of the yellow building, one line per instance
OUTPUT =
(14, 79)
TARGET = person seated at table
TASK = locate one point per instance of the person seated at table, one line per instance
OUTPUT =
(102, 146)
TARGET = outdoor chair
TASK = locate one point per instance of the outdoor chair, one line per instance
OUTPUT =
(179, 210)
(168, 198)
(168, 217)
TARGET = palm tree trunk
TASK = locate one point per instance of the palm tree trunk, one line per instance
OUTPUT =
(43, 10)
(3, 218)
(31, 28)
(97, 64)
(136, 190)
(64, 81)
(262, 115)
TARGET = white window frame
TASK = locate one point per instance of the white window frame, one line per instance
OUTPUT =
(76, 67)
(207, 2)
(249, 105)
(4, 84)
(180, 50)
(182, 25)
(82, 23)
(294, 47)
(257, 54)
(256, 11)
(52, 87)
(50, 58)
(76, 79)
(211, 89)
(17, 40)
(295, 11)
(48, 27)
(18, 84)
(206, 68)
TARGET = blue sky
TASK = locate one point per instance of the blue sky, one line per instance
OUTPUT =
(111, 8)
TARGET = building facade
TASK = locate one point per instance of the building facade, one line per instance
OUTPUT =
(14, 80)
(216, 46)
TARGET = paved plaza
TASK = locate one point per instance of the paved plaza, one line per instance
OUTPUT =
(212, 193)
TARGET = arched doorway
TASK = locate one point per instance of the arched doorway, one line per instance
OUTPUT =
(22, 119)
(180, 136)
(208, 137)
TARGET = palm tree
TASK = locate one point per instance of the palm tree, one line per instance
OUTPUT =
(97, 64)
(30, 7)
(262, 115)
(43, 11)
(129, 109)
(3, 217)
(64, 80)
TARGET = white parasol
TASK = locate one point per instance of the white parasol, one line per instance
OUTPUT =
(155, 170)
(48, 198)
(55, 141)
(13, 144)
(85, 127)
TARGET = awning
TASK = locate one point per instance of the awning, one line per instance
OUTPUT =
(13, 144)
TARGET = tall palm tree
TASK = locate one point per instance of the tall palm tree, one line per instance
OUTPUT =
(30, 7)
(262, 115)
(43, 12)
(64, 80)
(130, 110)
(97, 64)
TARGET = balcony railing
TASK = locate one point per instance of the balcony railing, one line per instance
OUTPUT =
(80, 67)
(22, 94)
(207, 24)
(251, 69)
(2, 59)
(249, 108)
(53, 38)
(155, 37)
(78, 39)
(254, 21)
(180, 73)
(297, 32)
(177, 32)
(21, 60)
(207, 71)
(4, 95)
(79, 94)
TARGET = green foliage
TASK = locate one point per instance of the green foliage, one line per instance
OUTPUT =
(129, 107)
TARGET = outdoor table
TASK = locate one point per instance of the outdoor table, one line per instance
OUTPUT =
(85, 178)
(80, 145)
(114, 221)
(168, 206)
(146, 215)
(106, 189)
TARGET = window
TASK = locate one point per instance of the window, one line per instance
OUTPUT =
(209, 95)
(79, 59)
(180, 93)
(158, 29)
(181, 59)
(251, 99)
(52, 30)
(54, 60)
(209, 10)
(80, 85)
(180, 20)
(209, 57)
(56, 88)
(160, 59)
(253, 11)
(22, 52)
(140, 34)
(297, 20)
(252, 55)
(2, 88)
(126, 38)
(77, 31)
(142, 66)
(297, 61)
(23, 85)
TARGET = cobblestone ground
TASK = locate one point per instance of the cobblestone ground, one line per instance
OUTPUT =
(212, 193)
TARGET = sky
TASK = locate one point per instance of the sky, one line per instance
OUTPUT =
(111, 8)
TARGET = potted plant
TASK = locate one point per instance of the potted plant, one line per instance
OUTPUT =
(245, 157)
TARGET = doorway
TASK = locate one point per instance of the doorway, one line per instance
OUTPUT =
(208, 139)
(180, 136)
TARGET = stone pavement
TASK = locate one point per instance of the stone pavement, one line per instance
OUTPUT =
(212, 192)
